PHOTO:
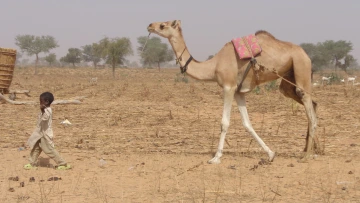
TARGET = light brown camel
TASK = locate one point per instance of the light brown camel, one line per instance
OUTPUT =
(289, 60)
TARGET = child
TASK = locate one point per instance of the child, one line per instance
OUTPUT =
(42, 138)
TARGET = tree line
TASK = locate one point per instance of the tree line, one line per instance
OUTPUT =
(330, 53)
(112, 51)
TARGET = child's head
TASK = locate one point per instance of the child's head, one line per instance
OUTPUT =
(46, 99)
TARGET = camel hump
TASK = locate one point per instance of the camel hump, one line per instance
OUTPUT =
(264, 32)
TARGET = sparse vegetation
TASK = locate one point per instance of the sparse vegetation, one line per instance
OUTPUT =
(34, 45)
(73, 56)
(155, 135)
(181, 78)
(92, 53)
(271, 86)
(115, 50)
(51, 59)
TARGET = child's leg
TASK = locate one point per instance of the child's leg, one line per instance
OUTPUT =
(51, 152)
(34, 154)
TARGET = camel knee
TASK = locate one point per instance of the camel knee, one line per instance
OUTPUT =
(299, 93)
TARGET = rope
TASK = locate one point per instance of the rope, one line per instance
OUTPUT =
(277, 74)
(274, 70)
(145, 42)
(180, 59)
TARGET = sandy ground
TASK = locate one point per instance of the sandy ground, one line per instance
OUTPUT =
(155, 134)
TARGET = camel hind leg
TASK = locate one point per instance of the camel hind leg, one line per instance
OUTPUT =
(303, 98)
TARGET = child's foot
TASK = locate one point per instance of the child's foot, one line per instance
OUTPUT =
(63, 167)
(29, 166)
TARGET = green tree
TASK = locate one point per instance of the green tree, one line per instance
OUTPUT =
(92, 53)
(318, 58)
(154, 52)
(329, 52)
(349, 60)
(51, 58)
(338, 50)
(34, 45)
(115, 50)
(73, 56)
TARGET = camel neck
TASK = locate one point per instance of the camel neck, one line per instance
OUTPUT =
(198, 70)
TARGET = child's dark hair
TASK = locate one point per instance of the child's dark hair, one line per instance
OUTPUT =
(47, 96)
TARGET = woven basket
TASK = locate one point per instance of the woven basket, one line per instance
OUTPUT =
(7, 65)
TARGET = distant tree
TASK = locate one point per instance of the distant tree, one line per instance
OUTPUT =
(329, 52)
(25, 62)
(210, 57)
(155, 51)
(51, 59)
(34, 45)
(337, 50)
(318, 58)
(18, 56)
(62, 62)
(115, 50)
(348, 61)
(73, 56)
(92, 53)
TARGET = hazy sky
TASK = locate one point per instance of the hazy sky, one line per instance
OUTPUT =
(207, 25)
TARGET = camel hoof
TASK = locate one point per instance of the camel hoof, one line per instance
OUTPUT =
(304, 159)
(319, 151)
(214, 160)
(271, 156)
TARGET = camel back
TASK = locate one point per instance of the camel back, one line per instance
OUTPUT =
(7, 65)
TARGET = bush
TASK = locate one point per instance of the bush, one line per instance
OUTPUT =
(257, 90)
(334, 78)
(270, 86)
(181, 78)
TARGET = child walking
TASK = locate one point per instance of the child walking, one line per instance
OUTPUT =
(41, 140)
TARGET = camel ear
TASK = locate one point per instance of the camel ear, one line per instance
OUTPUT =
(176, 23)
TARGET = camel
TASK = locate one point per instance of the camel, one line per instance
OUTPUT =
(226, 68)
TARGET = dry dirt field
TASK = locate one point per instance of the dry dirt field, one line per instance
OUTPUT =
(155, 134)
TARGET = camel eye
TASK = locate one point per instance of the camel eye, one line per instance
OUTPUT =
(162, 27)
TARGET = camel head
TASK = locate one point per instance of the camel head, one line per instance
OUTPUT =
(166, 29)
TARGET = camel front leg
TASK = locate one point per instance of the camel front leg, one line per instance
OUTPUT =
(225, 122)
(241, 102)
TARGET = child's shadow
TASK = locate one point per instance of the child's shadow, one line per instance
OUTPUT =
(45, 162)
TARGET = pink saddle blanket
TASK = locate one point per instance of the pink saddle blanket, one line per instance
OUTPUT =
(241, 46)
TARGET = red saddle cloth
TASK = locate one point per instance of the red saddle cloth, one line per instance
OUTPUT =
(241, 45)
